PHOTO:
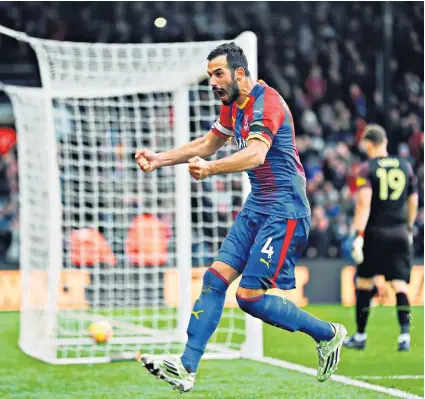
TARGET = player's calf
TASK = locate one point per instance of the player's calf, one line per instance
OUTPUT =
(403, 314)
(364, 294)
(363, 300)
(282, 313)
(205, 317)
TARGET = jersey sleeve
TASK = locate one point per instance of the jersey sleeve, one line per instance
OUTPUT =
(223, 125)
(363, 179)
(268, 115)
(412, 185)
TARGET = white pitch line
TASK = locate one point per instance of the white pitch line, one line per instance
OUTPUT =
(397, 393)
(389, 377)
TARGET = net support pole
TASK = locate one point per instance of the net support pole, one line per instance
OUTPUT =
(54, 198)
(24, 244)
(183, 213)
(253, 345)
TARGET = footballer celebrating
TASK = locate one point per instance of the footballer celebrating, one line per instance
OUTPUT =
(386, 208)
(268, 235)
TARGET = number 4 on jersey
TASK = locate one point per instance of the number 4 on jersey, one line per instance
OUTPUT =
(267, 249)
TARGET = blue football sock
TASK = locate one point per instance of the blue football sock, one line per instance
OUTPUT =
(284, 314)
(205, 317)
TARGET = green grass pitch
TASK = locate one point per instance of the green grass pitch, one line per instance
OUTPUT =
(24, 377)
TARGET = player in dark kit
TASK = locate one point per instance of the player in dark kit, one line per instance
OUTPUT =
(268, 235)
(386, 209)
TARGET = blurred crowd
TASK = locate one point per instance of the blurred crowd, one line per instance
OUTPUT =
(325, 58)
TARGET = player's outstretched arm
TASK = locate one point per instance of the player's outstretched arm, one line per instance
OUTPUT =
(248, 158)
(205, 146)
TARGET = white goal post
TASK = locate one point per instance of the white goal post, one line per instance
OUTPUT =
(81, 194)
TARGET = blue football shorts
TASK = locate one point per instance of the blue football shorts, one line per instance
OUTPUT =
(265, 249)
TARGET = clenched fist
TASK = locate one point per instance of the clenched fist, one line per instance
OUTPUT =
(147, 160)
(199, 168)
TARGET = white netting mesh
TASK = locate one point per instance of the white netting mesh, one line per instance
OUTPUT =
(141, 67)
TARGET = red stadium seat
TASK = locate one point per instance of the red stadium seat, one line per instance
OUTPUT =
(147, 241)
(147, 245)
(89, 247)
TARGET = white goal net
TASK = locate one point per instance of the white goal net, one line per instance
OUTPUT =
(100, 240)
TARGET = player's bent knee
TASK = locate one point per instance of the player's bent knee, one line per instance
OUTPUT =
(364, 283)
(214, 279)
(225, 270)
(247, 304)
(249, 293)
(247, 298)
(399, 286)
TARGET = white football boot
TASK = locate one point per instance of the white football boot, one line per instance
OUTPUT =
(329, 353)
(170, 370)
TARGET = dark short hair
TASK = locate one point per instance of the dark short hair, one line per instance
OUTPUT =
(234, 54)
(375, 134)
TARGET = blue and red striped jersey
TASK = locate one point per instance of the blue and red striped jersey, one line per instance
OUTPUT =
(278, 187)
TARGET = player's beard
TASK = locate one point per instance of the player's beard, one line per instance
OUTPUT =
(233, 93)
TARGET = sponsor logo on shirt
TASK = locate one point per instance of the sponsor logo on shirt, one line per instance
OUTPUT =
(241, 143)
(245, 123)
